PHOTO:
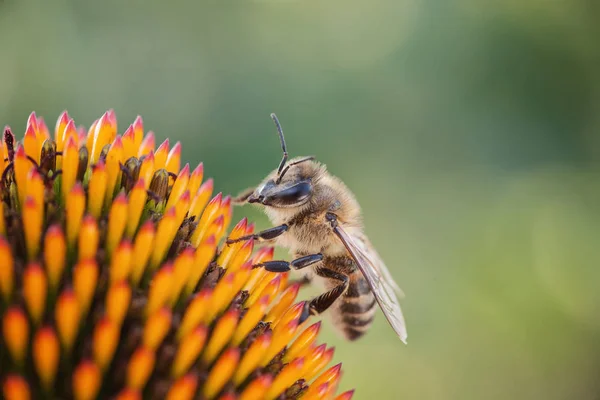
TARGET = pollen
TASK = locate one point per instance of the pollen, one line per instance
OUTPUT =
(116, 281)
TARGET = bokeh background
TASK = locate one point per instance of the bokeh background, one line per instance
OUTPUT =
(468, 129)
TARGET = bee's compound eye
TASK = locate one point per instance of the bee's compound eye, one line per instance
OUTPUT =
(293, 194)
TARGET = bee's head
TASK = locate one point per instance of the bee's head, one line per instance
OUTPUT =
(291, 184)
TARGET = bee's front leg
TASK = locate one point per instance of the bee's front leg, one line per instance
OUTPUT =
(285, 266)
(262, 236)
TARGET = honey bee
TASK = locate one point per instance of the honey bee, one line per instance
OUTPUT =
(318, 219)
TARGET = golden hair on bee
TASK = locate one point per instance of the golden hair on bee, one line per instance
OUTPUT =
(318, 219)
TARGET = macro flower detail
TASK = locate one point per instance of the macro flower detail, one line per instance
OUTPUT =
(114, 282)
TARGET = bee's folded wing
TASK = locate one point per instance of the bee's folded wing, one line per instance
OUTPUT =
(378, 277)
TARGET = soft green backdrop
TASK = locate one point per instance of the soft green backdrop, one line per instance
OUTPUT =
(468, 129)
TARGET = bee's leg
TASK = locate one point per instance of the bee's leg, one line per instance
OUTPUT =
(262, 236)
(321, 303)
(285, 266)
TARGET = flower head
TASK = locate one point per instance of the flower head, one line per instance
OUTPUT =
(113, 283)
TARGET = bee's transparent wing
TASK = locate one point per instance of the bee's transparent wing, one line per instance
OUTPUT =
(378, 277)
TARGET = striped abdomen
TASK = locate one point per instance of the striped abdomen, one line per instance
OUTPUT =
(354, 311)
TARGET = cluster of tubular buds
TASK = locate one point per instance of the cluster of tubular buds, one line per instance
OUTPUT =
(112, 283)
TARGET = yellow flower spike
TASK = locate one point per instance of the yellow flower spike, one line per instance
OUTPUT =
(331, 376)
(70, 162)
(292, 313)
(7, 272)
(183, 389)
(147, 170)
(114, 159)
(227, 210)
(85, 277)
(142, 248)
(179, 187)
(55, 251)
(221, 372)
(138, 132)
(129, 149)
(181, 208)
(70, 132)
(22, 165)
(129, 394)
(257, 388)
(188, 351)
(250, 320)
(97, 189)
(173, 162)
(200, 200)
(118, 299)
(135, 207)
(120, 264)
(88, 238)
(105, 340)
(66, 315)
(75, 208)
(241, 256)
(46, 354)
(258, 274)
(319, 360)
(15, 332)
(167, 227)
(281, 338)
(285, 301)
(156, 328)
(286, 377)
(35, 186)
(141, 365)
(86, 381)
(223, 293)
(32, 121)
(252, 357)
(230, 249)
(316, 392)
(147, 145)
(210, 213)
(160, 289)
(103, 134)
(228, 396)
(215, 228)
(346, 395)
(43, 132)
(196, 179)
(34, 291)
(117, 219)
(181, 271)
(161, 154)
(221, 335)
(303, 342)
(194, 313)
(241, 276)
(16, 388)
(30, 142)
(202, 258)
(61, 124)
(33, 220)
(90, 137)
(268, 287)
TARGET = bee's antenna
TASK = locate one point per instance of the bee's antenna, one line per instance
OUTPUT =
(282, 140)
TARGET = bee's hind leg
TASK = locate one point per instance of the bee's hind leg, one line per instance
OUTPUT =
(285, 266)
(321, 303)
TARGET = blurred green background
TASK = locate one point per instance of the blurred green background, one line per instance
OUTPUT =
(468, 129)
